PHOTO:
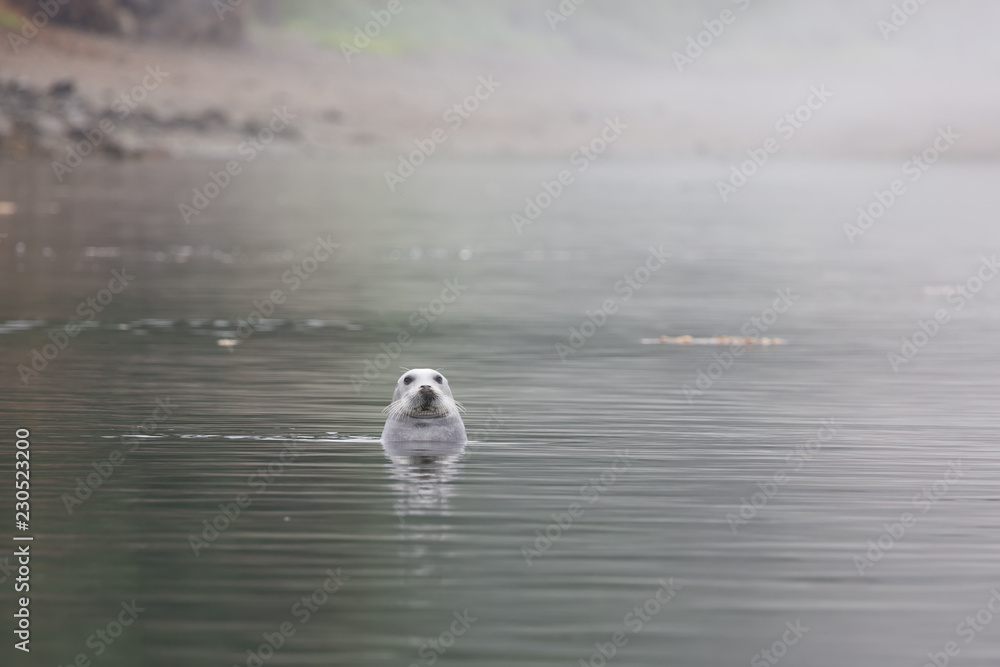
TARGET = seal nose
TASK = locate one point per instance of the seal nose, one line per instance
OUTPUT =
(425, 387)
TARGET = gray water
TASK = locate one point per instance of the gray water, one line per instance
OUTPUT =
(416, 537)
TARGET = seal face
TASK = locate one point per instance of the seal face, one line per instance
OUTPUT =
(423, 410)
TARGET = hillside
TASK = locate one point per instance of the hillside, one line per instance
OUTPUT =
(560, 79)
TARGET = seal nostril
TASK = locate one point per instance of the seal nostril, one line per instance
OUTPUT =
(425, 386)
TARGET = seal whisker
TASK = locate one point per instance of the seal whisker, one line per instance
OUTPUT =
(449, 405)
(395, 409)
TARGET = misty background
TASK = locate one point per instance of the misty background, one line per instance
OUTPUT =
(560, 79)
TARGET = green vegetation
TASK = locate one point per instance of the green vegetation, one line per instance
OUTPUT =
(9, 19)
(628, 27)
(770, 32)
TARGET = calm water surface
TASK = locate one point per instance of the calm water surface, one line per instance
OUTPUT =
(654, 464)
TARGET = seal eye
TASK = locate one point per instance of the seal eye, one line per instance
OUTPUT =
(438, 379)
(407, 380)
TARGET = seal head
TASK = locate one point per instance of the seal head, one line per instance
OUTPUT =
(423, 410)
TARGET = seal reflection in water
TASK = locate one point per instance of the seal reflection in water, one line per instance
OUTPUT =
(423, 473)
(423, 410)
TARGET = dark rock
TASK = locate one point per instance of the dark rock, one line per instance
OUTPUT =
(179, 20)
(214, 119)
(208, 120)
(148, 117)
(181, 122)
(43, 122)
(253, 125)
(62, 88)
(6, 126)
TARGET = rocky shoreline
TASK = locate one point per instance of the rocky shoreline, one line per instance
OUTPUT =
(185, 21)
(59, 123)
(70, 91)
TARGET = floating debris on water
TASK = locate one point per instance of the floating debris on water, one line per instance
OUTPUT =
(196, 326)
(714, 340)
(228, 343)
